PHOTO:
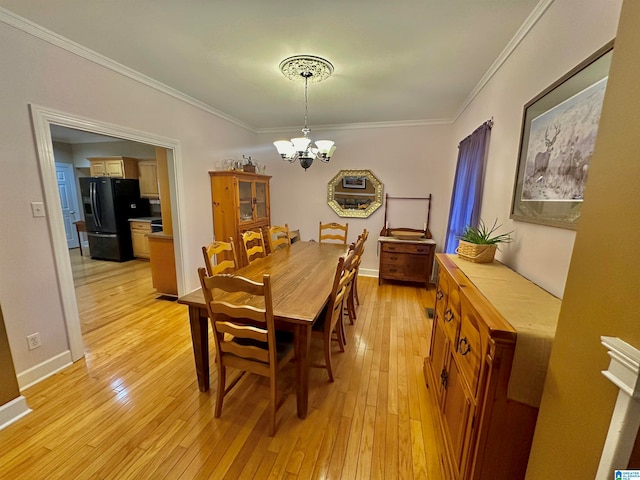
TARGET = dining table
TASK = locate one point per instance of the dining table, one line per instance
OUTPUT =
(301, 282)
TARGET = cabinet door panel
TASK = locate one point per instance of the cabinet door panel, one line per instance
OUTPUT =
(442, 293)
(114, 168)
(148, 177)
(468, 349)
(261, 200)
(246, 201)
(451, 315)
(456, 412)
(438, 355)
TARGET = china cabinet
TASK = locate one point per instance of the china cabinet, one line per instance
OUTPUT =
(240, 202)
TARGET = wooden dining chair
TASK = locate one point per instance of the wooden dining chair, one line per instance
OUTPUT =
(253, 245)
(362, 238)
(279, 237)
(329, 326)
(333, 232)
(245, 335)
(213, 257)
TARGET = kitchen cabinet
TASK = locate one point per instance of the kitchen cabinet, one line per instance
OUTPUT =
(406, 260)
(240, 202)
(120, 167)
(148, 176)
(139, 231)
(486, 409)
(163, 263)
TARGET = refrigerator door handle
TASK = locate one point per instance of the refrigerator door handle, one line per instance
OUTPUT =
(94, 205)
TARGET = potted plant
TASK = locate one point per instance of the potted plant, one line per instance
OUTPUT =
(479, 244)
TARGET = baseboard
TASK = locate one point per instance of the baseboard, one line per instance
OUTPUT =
(43, 370)
(368, 272)
(13, 411)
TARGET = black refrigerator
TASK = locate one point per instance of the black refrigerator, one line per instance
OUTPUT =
(108, 205)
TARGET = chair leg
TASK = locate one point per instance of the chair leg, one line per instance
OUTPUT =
(273, 405)
(222, 373)
(327, 355)
(351, 306)
(342, 340)
(355, 288)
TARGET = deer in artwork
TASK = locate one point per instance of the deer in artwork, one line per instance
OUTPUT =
(541, 162)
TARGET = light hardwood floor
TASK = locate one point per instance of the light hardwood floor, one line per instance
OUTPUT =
(132, 409)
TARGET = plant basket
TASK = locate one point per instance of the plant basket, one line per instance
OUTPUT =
(474, 252)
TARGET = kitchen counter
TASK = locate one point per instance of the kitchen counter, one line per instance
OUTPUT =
(144, 219)
(160, 235)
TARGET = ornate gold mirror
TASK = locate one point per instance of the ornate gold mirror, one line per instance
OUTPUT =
(354, 193)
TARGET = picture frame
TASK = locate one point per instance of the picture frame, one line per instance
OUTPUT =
(557, 139)
(354, 181)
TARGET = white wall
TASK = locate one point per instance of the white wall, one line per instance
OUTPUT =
(37, 72)
(567, 33)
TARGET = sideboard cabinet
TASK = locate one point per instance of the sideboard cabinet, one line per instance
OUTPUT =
(486, 409)
(240, 202)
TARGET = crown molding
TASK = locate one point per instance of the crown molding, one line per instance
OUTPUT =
(522, 32)
(53, 38)
(356, 126)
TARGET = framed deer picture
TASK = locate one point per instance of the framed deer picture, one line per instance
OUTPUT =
(559, 129)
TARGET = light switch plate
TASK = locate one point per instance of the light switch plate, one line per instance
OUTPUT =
(37, 208)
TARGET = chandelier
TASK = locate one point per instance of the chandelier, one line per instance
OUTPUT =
(310, 69)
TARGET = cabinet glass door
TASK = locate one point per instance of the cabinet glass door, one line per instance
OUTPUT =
(261, 200)
(246, 201)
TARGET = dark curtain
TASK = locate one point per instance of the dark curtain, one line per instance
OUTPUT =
(467, 186)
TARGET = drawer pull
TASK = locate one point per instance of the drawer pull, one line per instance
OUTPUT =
(448, 315)
(391, 248)
(439, 295)
(393, 257)
(463, 343)
(420, 250)
(443, 378)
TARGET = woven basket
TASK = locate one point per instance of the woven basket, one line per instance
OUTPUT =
(476, 253)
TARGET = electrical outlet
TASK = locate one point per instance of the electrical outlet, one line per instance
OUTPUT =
(34, 340)
(37, 209)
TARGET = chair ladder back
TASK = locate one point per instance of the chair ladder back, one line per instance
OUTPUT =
(278, 237)
(253, 245)
(221, 265)
(340, 234)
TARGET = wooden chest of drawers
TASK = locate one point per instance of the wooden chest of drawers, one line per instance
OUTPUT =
(406, 260)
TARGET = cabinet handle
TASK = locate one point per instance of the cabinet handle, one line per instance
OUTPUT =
(391, 248)
(439, 295)
(393, 270)
(464, 343)
(393, 257)
(448, 315)
(443, 378)
(420, 250)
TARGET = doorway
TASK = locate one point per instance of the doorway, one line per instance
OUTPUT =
(43, 119)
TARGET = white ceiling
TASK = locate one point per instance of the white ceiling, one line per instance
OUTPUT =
(395, 61)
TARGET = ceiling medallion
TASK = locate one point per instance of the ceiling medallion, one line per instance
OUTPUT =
(301, 67)
(309, 69)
